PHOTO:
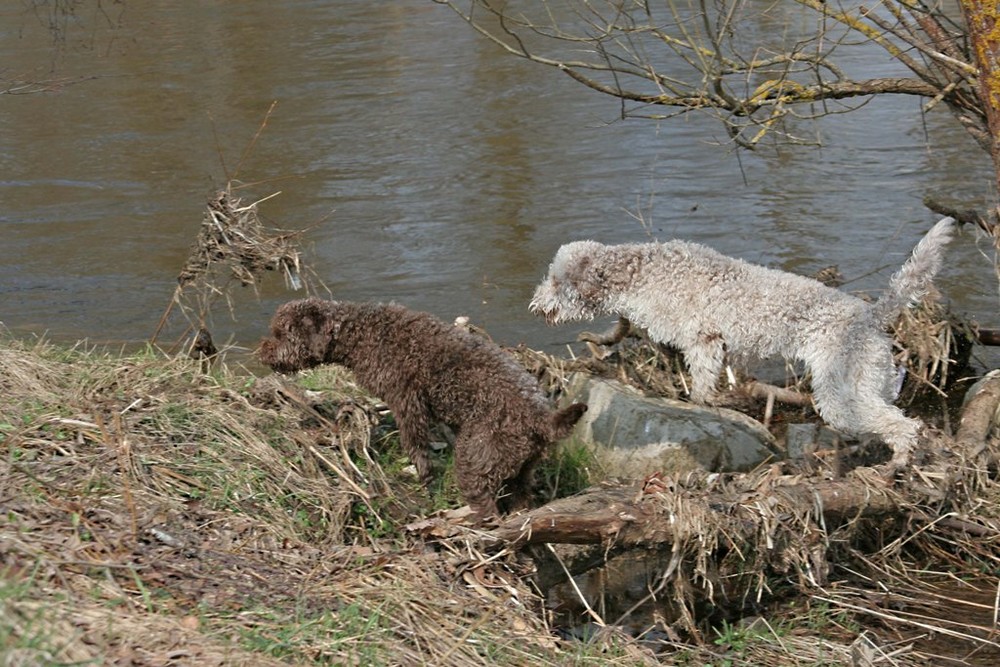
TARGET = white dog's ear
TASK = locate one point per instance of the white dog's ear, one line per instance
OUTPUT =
(577, 271)
(587, 278)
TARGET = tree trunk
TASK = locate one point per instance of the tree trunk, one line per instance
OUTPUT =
(629, 517)
(981, 16)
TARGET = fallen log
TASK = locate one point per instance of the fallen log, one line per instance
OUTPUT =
(731, 537)
(656, 511)
(767, 518)
(646, 514)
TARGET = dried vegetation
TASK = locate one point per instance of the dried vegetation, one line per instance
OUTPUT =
(154, 514)
(233, 248)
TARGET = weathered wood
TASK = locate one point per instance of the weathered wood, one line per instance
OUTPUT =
(632, 516)
(616, 334)
(979, 417)
(600, 515)
(640, 514)
(762, 390)
(988, 336)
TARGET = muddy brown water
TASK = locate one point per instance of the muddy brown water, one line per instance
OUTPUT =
(431, 168)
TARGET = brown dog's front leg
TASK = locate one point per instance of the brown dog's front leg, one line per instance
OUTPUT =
(413, 422)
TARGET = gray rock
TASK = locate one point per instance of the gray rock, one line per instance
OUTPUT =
(632, 435)
(803, 438)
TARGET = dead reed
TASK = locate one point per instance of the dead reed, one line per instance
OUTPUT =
(152, 513)
(234, 248)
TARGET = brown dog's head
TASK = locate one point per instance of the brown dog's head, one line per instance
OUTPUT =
(302, 334)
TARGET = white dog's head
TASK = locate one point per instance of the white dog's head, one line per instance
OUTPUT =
(574, 287)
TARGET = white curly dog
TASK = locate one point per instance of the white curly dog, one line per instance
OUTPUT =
(708, 305)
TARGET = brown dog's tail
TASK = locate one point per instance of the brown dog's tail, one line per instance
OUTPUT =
(564, 420)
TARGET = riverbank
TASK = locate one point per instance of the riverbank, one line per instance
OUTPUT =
(154, 514)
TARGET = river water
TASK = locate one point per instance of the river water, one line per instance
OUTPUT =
(430, 168)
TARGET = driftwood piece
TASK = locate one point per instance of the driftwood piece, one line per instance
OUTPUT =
(748, 506)
(763, 390)
(987, 336)
(978, 418)
(641, 514)
(967, 216)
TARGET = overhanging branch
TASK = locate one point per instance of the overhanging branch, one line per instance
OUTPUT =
(780, 92)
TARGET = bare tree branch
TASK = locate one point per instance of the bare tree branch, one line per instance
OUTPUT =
(722, 57)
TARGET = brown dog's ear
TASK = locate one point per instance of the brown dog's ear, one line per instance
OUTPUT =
(323, 341)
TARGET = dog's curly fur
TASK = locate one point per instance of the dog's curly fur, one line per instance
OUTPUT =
(708, 305)
(427, 371)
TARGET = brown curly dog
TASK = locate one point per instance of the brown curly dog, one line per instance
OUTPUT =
(427, 371)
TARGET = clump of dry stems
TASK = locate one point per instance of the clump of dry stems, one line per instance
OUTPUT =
(232, 238)
(233, 248)
(932, 344)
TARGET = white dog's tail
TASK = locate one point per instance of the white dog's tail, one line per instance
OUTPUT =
(913, 280)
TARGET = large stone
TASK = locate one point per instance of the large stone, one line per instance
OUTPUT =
(632, 435)
(801, 439)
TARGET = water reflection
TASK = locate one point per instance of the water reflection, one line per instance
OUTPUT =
(431, 168)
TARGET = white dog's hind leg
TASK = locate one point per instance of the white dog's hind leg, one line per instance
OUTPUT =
(858, 404)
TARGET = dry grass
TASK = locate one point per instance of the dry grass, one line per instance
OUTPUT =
(154, 514)
(233, 238)
(933, 344)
